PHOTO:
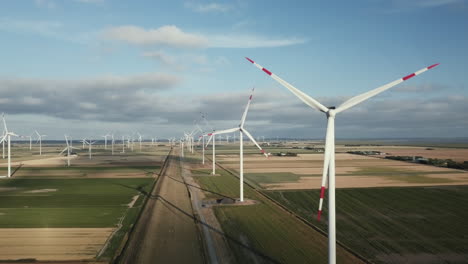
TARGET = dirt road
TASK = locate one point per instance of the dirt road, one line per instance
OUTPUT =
(167, 231)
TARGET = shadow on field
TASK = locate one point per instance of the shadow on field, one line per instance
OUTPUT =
(201, 188)
(16, 169)
(257, 253)
(139, 188)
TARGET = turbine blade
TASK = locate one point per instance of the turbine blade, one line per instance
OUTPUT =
(209, 140)
(63, 150)
(255, 142)
(4, 123)
(226, 131)
(304, 97)
(244, 116)
(362, 97)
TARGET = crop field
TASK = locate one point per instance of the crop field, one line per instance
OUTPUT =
(353, 171)
(264, 233)
(74, 205)
(51, 212)
(394, 225)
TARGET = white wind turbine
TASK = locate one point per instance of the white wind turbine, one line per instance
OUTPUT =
(39, 139)
(3, 145)
(105, 140)
(112, 143)
(69, 148)
(89, 147)
(30, 141)
(242, 131)
(123, 144)
(7, 137)
(139, 139)
(329, 155)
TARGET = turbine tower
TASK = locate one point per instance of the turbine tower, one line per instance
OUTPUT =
(329, 155)
(105, 140)
(69, 148)
(242, 131)
(7, 137)
(39, 139)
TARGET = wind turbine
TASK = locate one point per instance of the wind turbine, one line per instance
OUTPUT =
(329, 155)
(30, 141)
(112, 143)
(69, 148)
(123, 144)
(39, 139)
(7, 137)
(242, 131)
(89, 147)
(139, 139)
(105, 140)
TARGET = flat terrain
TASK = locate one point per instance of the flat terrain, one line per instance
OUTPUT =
(167, 231)
(394, 225)
(353, 171)
(52, 212)
(52, 243)
(262, 232)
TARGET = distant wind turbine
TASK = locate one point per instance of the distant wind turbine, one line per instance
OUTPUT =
(7, 137)
(242, 131)
(39, 139)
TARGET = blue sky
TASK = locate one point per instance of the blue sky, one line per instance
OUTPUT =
(95, 65)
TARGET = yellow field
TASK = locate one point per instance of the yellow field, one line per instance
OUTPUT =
(45, 244)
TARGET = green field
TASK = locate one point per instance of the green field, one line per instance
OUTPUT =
(394, 225)
(88, 171)
(263, 233)
(75, 203)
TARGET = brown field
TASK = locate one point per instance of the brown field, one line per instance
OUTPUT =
(353, 171)
(459, 155)
(367, 182)
(44, 244)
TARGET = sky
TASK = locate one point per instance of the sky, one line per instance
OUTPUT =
(89, 67)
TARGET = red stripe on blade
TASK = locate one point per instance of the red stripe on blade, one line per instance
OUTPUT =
(250, 98)
(250, 60)
(409, 76)
(210, 134)
(319, 214)
(322, 192)
(432, 66)
(262, 151)
(267, 71)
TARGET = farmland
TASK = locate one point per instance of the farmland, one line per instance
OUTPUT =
(387, 211)
(262, 232)
(353, 171)
(394, 225)
(80, 212)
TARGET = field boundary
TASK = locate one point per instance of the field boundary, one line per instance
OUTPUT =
(303, 220)
(196, 217)
(125, 241)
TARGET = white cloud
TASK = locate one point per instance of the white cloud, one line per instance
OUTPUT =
(172, 36)
(252, 41)
(29, 100)
(87, 106)
(209, 7)
(169, 35)
(162, 57)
